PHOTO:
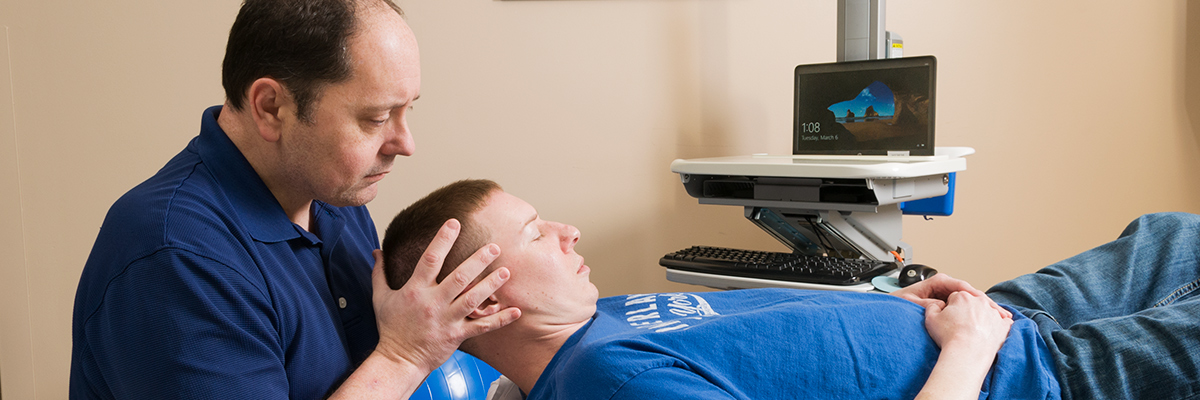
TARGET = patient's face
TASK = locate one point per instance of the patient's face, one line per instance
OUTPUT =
(549, 280)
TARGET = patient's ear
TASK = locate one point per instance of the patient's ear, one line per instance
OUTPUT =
(489, 306)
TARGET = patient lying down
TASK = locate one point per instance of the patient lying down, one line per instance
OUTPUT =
(940, 338)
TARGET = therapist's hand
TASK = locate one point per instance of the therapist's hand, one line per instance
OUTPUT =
(423, 322)
(935, 291)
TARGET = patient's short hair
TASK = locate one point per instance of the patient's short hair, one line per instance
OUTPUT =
(414, 228)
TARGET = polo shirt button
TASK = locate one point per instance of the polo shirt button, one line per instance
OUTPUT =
(341, 302)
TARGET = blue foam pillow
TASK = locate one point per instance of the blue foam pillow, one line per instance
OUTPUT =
(462, 377)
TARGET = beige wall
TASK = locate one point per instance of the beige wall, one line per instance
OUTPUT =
(1078, 111)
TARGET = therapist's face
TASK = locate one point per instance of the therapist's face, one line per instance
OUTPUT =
(549, 280)
(358, 126)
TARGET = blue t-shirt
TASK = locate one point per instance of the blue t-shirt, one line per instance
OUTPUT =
(772, 344)
(199, 286)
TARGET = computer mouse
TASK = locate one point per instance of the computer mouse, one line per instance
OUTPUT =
(914, 273)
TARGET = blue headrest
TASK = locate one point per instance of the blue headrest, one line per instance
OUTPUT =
(462, 377)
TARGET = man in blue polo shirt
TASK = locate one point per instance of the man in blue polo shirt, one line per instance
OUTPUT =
(243, 268)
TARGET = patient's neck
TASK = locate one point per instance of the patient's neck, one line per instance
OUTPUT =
(520, 351)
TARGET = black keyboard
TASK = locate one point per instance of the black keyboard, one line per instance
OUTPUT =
(776, 266)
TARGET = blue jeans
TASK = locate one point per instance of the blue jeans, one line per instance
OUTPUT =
(1122, 321)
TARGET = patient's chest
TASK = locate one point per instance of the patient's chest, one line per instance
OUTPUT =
(759, 343)
(772, 344)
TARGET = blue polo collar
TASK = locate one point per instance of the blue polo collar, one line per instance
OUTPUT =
(256, 208)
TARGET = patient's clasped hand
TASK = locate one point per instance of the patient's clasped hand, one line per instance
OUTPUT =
(1119, 321)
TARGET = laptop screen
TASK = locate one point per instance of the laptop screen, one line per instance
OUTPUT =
(874, 107)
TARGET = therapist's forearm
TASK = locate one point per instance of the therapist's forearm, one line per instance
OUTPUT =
(380, 377)
(959, 373)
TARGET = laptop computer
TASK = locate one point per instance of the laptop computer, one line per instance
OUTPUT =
(873, 110)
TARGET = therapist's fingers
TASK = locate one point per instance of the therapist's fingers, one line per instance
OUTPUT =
(500, 319)
(423, 322)
(487, 318)
(378, 277)
(430, 264)
(465, 274)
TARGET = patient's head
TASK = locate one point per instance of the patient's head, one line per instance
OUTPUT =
(548, 282)
(414, 228)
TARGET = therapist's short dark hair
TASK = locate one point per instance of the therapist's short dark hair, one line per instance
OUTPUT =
(411, 231)
(301, 43)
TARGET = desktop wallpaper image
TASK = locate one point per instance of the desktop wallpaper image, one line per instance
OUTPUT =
(872, 115)
(864, 112)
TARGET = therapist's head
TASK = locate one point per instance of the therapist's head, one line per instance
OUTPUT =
(302, 44)
(319, 91)
(549, 281)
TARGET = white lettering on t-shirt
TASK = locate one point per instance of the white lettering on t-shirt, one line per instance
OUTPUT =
(643, 309)
(651, 307)
(639, 299)
(643, 317)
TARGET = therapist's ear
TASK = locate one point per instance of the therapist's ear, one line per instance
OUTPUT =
(489, 306)
(266, 99)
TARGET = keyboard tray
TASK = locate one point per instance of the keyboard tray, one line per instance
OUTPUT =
(776, 266)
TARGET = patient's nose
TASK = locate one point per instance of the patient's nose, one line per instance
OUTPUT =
(570, 236)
